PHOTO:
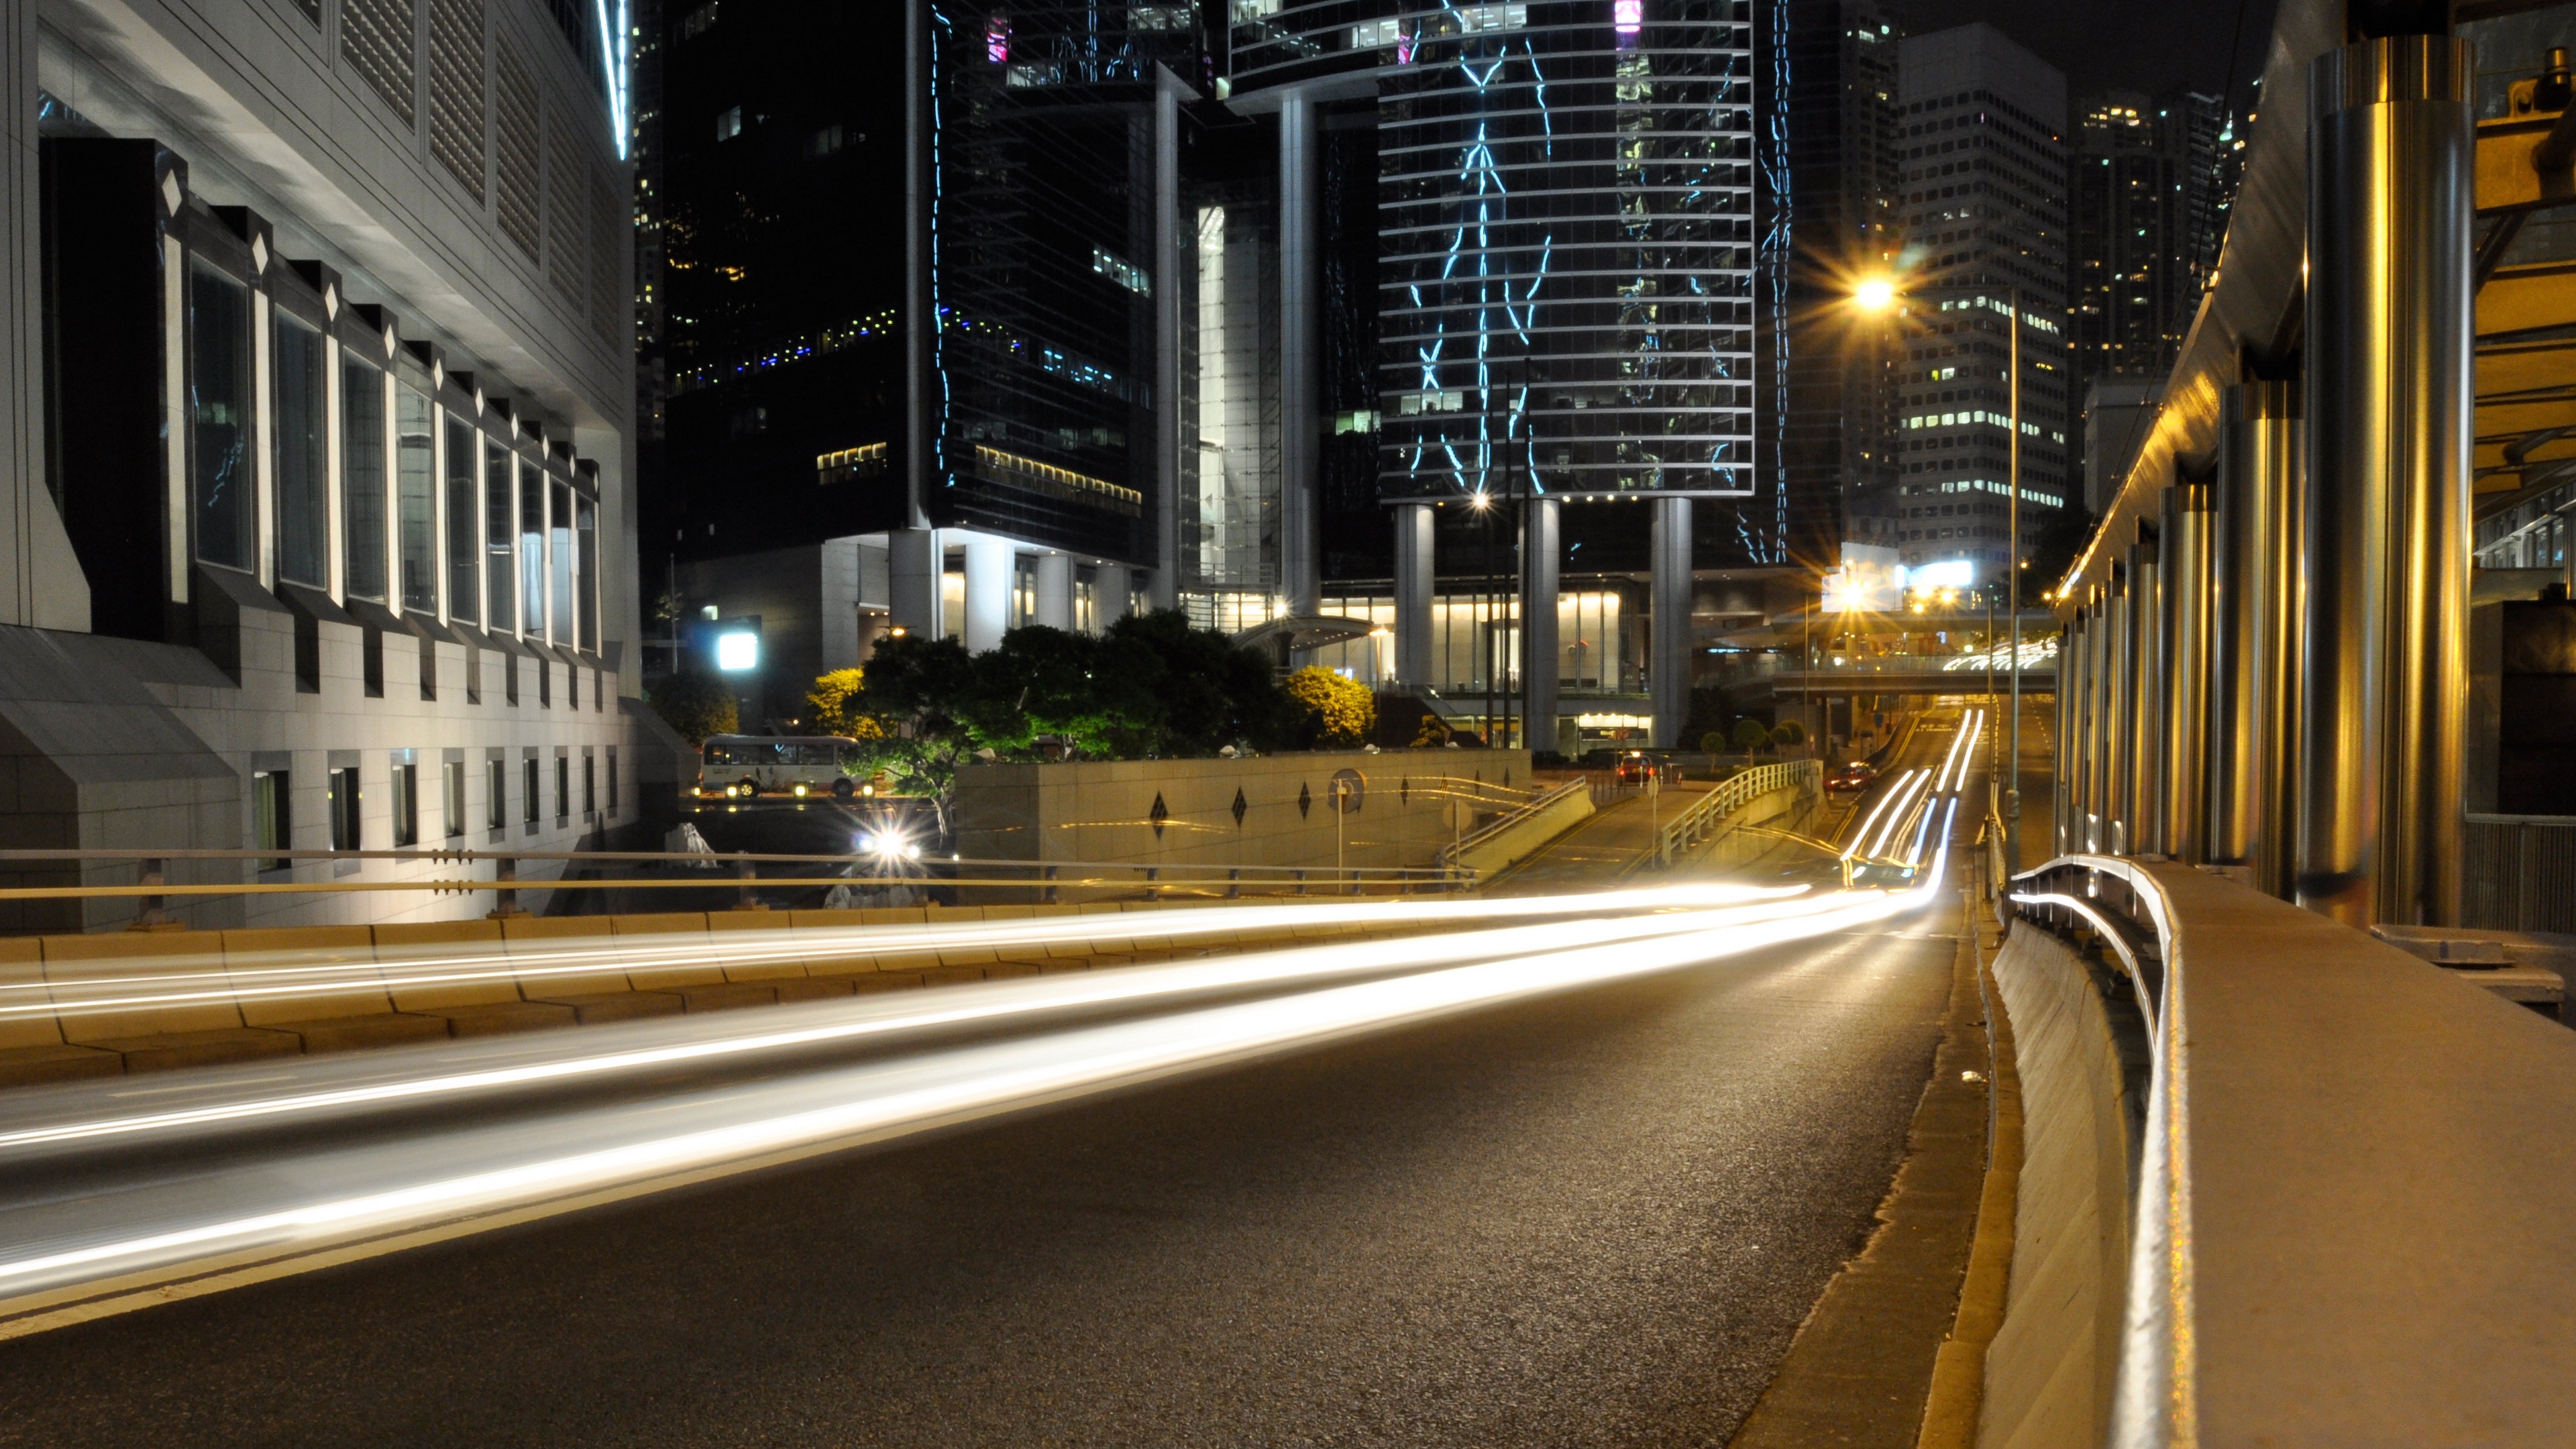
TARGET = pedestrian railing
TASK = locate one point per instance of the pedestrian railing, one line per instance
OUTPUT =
(2355, 1174)
(1705, 817)
(1539, 803)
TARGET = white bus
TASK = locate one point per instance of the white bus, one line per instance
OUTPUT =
(745, 765)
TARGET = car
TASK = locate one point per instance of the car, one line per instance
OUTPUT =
(1855, 776)
(1635, 768)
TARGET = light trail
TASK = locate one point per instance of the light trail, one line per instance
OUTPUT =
(1863, 833)
(1897, 818)
(709, 1040)
(322, 1202)
(201, 979)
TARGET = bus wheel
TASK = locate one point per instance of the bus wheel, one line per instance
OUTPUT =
(750, 787)
(843, 789)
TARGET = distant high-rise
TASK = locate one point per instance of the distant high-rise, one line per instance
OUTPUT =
(2131, 259)
(1983, 132)
(1838, 429)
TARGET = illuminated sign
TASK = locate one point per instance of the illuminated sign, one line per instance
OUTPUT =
(737, 651)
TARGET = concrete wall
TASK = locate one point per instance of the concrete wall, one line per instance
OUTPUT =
(1105, 810)
(2050, 1370)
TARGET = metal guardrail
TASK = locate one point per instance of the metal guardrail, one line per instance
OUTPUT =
(1509, 820)
(2353, 1171)
(1705, 814)
(154, 889)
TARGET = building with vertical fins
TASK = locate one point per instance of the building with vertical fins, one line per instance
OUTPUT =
(317, 407)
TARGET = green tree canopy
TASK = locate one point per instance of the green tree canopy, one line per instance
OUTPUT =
(1751, 734)
(1790, 733)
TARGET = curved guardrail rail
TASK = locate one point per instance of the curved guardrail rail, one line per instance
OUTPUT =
(1509, 820)
(1729, 795)
(2156, 1403)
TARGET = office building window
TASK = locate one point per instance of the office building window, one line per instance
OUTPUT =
(452, 777)
(464, 542)
(532, 552)
(612, 779)
(559, 563)
(219, 397)
(416, 499)
(498, 466)
(343, 800)
(362, 476)
(272, 816)
(302, 456)
(531, 783)
(589, 783)
(586, 574)
(563, 788)
(496, 808)
(406, 800)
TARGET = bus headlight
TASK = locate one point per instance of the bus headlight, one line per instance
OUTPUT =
(800, 792)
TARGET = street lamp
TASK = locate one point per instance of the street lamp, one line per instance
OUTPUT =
(1878, 294)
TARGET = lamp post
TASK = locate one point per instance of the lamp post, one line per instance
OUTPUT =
(1878, 294)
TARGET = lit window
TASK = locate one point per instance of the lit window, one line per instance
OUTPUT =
(1125, 273)
(729, 123)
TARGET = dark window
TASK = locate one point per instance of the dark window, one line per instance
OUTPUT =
(612, 779)
(219, 415)
(497, 532)
(563, 787)
(589, 783)
(416, 498)
(532, 798)
(452, 778)
(272, 816)
(464, 575)
(302, 452)
(406, 811)
(362, 477)
(344, 808)
(496, 810)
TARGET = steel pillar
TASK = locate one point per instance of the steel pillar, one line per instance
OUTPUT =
(912, 580)
(989, 565)
(2391, 161)
(1300, 373)
(1055, 590)
(1413, 584)
(1669, 674)
(1539, 557)
(2184, 646)
(2145, 721)
(2254, 595)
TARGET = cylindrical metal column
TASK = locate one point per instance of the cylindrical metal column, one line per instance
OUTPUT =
(2099, 631)
(1413, 581)
(1055, 590)
(2064, 761)
(2185, 646)
(1669, 678)
(2118, 660)
(1539, 552)
(2391, 161)
(1112, 594)
(1300, 373)
(990, 563)
(2255, 548)
(912, 580)
(2145, 720)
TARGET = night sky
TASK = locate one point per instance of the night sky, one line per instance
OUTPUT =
(2142, 45)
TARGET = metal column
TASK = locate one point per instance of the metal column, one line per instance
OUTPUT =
(2392, 152)
(1300, 431)
(2118, 688)
(1539, 550)
(1113, 589)
(1055, 590)
(912, 580)
(2100, 745)
(2184, 647)
(1413, 584)
(2063, 806)
(1176, 254)
(990, 563)
(2255, 551)
(2145, 720)
(1669, 677)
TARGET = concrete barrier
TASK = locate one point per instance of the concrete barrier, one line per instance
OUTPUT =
(1526, 835)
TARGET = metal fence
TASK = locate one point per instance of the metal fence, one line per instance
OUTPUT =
(2519, 873)
(1705, 818)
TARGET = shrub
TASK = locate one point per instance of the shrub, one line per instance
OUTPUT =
(1338, 712)
(1790, 733)
(697, 705)
(1713, 743)
(1750, 734)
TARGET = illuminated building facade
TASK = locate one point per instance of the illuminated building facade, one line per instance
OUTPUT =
(316, 428)
(1983, 131)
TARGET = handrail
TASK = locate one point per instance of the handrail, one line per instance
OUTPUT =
(1728, 796)
(2156, 1401)
(1509, 819)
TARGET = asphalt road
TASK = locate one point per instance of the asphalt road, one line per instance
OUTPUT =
(1593, 1220)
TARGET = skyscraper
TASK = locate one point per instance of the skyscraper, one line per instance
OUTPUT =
(1838, 431)
(1984, 198)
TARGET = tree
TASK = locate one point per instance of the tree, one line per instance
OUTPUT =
(1208, 693)
(1789, 735)
(1339, 713)
(1432, 734)
(839, 704)
(696, 705)
(916, 689)
(1750, 735)
(1713, 743)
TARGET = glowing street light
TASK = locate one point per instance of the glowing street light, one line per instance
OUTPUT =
(1874, 294)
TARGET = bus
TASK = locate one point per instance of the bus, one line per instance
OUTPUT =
(742, 766)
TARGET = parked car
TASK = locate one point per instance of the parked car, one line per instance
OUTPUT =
(1854, 776)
